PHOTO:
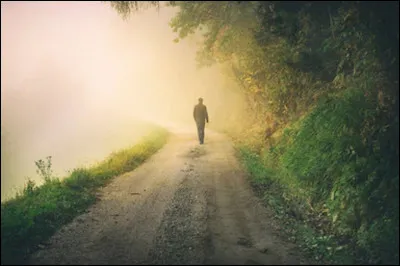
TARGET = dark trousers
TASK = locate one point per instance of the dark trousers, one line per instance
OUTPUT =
(200, 131)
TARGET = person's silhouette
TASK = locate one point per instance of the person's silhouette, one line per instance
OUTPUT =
(200, 115)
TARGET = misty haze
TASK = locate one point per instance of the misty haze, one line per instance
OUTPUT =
(77, 80)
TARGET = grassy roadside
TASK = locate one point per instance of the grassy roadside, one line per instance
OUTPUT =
(309, 228)
(332, 178)
(298, 224)
(36, 213)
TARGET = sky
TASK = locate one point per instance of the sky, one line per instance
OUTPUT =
(77, 79)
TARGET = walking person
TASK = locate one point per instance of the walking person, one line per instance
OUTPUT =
(200, 115)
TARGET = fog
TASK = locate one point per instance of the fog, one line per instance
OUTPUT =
(77, 82)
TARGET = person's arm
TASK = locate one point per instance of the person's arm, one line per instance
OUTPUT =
(194, 113)
(205, 109)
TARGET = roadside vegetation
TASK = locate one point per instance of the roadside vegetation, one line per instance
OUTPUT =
(320, 136)
(35, 214)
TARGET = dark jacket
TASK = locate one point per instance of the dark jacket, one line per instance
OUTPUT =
(200, 114)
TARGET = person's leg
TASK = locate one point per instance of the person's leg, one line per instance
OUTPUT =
(198, 131)
(202, 133)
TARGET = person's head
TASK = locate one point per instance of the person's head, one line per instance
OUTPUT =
(200, 100)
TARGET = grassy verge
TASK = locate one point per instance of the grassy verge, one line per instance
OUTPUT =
(36, 213)
(332, 177)
(298, 224)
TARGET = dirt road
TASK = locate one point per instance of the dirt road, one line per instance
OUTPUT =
(188, 204)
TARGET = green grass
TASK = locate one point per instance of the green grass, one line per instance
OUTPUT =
(297, 223)
(37, 212)
(335, 172)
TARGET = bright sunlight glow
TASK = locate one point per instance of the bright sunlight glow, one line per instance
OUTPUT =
(77, 80)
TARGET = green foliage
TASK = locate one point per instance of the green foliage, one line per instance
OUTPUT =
(291, 210)
(29, 187)
(336, 159)
(36, 213)
(334, 154)
(125, 8)
(80, 179)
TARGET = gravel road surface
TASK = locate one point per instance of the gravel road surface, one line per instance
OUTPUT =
(188, 204)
